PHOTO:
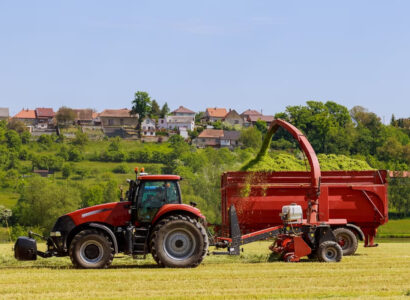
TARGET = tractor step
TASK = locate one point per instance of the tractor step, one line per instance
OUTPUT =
(140, 243)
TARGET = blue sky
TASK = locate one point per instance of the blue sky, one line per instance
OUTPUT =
(239, 54)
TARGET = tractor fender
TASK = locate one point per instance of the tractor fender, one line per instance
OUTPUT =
(357, 230)
(108, 231)
(177, 208)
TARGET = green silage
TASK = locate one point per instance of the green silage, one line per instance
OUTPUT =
(268, 162)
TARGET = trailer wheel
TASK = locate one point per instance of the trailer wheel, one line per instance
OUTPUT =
(347, 240)
(329, 251)
(91, 249)
(179, 242)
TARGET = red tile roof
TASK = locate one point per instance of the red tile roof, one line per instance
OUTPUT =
(216, 112)
(43, 112)
(263, 118)
(116, 113)
(26, 114)
(184, 110)
(250, 112)
(211, 133)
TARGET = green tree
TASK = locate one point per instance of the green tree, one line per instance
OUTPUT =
(25, 137)
(261, 126)
(164, 110)
(13, 140)
(41, 202)
(17, 125)
(251, 138)
(141, 105)
(199, 116)
(155, 110)
(65, 116)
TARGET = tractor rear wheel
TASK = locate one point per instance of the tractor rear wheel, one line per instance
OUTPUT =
(347, 240)
(91, 249)
(179, 242)
(329, 251)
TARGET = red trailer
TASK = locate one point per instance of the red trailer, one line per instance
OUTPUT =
(353, 203)
(360, 197)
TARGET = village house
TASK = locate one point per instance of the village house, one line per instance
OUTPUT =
(246, 114)
(27, 116)
(96, 119)
(83, 116)
(45, 117)
(215, 114)
(218, 138)
(4, 114)
(118, 118)
(148, 127)
(230, 138)
(253, 119)
(183, 112)
(176, 123)
(250, 112)
(233, 118)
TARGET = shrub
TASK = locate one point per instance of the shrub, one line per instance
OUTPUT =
(80, 139)
(66, 170)
(46, 140)
(75, 154)
(121, 169)
(142, 156)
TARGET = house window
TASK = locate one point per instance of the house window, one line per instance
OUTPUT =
(162, 121)
(110, 122)
(122, 121)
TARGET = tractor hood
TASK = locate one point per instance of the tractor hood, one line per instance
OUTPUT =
(114, 213)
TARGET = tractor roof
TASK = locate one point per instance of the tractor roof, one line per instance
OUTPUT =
(159, 177)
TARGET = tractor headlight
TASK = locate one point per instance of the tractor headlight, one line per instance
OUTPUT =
(55, 233)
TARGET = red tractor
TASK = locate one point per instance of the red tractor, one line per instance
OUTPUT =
(151, 220)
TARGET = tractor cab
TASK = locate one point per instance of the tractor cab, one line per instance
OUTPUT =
(148, 193)
(153, 193)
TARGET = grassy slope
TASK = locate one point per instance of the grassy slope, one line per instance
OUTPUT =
(382, 271)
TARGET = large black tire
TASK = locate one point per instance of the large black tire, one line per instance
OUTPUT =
(347, 240)
(329, 251)
(179, 242)
(91, 249)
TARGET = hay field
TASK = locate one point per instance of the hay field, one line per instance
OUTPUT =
(371, 273)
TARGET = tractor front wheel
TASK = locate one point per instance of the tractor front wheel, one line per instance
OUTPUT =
(91, 249)
(329, 251)
(179, 242)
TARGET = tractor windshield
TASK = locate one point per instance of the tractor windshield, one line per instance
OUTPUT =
(153, 195)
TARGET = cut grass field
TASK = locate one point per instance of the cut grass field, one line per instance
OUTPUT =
(373, 272)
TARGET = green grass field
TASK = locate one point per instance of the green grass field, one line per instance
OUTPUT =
(373, 272)
(395, 228)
